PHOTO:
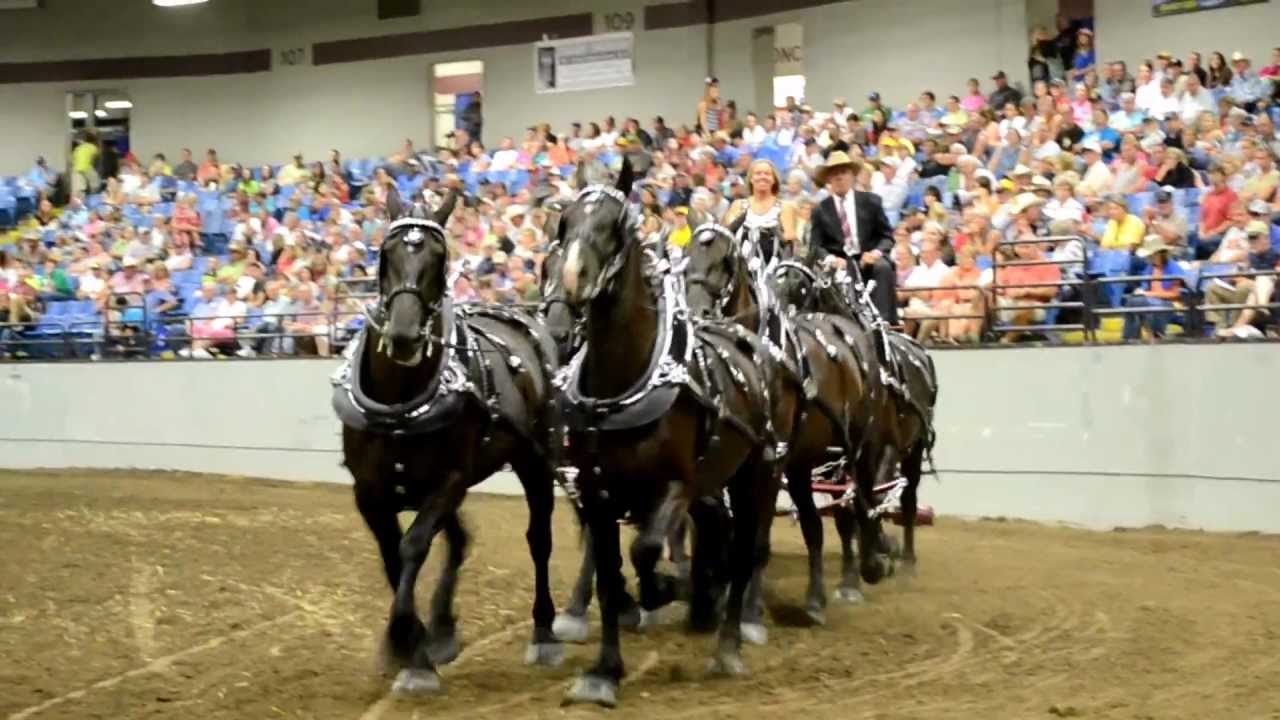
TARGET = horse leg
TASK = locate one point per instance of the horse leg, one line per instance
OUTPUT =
(707, 517)
(850, 589)
(753, 628)
(749, 552)
(655, 590)
(876, 562)
(800, 487)
(539, 493)
(380, 517)
(599, 684)
(911, 470)
(571, 625)
(406, 635)
(442, 631)
(675, 544)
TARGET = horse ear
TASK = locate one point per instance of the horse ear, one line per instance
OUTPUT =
(394, 209)
(580, 175)
(626, 177)
(446, 208)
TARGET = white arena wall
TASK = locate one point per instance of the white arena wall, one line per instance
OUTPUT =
(1097, 437)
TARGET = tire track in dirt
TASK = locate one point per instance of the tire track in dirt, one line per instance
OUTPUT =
(158, 665)
(1064, 621)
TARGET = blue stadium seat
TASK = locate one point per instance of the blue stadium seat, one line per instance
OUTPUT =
(1141, 201)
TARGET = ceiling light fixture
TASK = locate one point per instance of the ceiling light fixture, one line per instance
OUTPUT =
(117, 104)
(100, 113)
(77, 114)
(176, 3)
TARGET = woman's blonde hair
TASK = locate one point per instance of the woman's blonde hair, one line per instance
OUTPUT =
(777, 180)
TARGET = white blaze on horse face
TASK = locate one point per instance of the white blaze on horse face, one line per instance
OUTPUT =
(572, 266)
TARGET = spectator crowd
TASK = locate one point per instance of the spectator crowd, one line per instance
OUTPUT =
(1170, 166)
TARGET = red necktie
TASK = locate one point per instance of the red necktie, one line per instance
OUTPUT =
(844, 224)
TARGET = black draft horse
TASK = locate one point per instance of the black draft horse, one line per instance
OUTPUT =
(897, 431)
(434, 400)
(662, 419)
(822, 369)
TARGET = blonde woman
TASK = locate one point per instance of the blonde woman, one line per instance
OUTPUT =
(767, 220)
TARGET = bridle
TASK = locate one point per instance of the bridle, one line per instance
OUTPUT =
(418, 231)
(628, 224)
(808, 275)
(721, 296)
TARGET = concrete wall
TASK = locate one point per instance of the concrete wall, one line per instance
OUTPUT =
(898, 47)
(1127, 31)
(1102, 437)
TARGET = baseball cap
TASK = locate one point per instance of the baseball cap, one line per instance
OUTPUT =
(999, 76)
(874, 96)
(1164, 194)
(1091, 146)
(1259, 207)
(1256, 227)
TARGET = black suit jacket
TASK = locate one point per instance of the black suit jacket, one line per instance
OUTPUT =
(826, 237)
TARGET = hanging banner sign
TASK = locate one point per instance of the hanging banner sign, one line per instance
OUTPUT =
(1161, 8)
(584, 63)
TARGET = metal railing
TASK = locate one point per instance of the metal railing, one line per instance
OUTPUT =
(1189, 312)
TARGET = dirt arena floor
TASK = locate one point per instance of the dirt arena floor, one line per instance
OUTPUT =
(171, 596)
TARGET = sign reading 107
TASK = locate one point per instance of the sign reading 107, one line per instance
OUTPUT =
(619, 21)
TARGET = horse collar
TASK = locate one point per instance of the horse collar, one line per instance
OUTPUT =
(432, 408)
(642, 403)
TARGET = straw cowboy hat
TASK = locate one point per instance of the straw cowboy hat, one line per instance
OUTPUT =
(837, 160)
(1026, 200)
(1153, 244)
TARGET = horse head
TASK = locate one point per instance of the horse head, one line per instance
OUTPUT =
(794, 286)
(412, 278)
(713, 269)
(557, 315)
(596, 231)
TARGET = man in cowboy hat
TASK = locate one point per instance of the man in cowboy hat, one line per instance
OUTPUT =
(851, 227)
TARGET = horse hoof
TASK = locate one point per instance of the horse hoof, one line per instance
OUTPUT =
(649, 619)
(754, 633)
(570, 628)
(816, 615)
(633, 619)
(592, 690)
(894, 547)
(544, 654)
(416, 681)
(850, 596)
(444, 650)
(727, 664)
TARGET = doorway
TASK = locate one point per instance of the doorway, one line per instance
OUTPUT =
(456, 100)
(777, 54)
(107, 113)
